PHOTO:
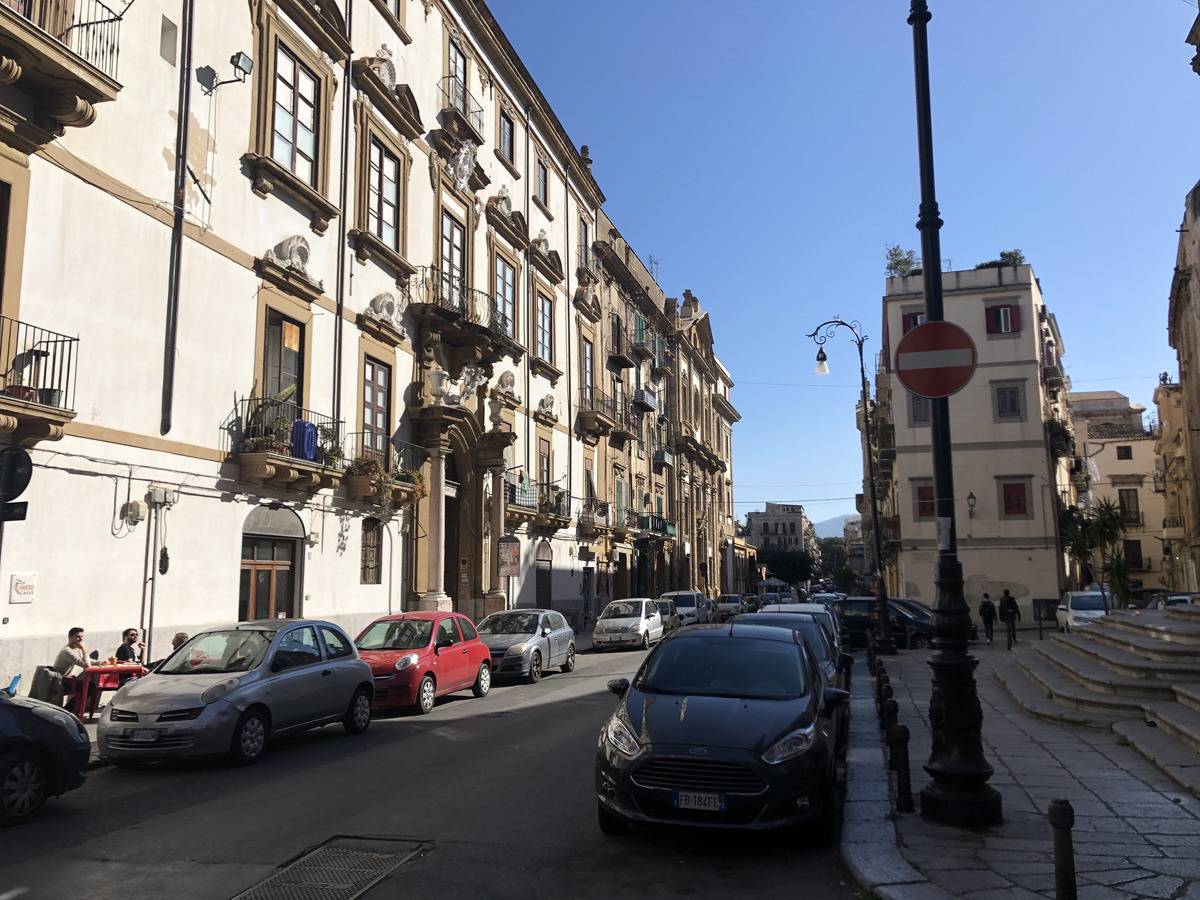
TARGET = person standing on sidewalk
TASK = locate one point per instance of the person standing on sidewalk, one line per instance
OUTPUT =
(1009, 614)
(987, 612)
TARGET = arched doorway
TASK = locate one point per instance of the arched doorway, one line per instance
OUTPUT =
(543, 575)
(453, 569)
(270, 578)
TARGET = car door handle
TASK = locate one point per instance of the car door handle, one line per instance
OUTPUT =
(464, 651)
(327, 671)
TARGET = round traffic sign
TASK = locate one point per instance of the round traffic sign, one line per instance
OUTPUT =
(16, 468)
(936, 359)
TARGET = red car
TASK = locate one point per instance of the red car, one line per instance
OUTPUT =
(417, 657)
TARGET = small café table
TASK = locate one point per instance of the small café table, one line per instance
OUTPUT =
(92, 680)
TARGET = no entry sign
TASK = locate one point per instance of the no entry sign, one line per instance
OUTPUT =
(936, 359)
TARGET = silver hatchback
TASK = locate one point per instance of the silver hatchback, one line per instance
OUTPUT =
(229, 690)
(525, 642)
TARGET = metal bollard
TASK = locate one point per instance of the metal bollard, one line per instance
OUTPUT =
(1062, 820)
(885, 694)
(880, 681)
(871, 658)
(891, 712)
(904, 798)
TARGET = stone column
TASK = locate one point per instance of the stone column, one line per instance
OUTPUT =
(496, 599)
(436, 597)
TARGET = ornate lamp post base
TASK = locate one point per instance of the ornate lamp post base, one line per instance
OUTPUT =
(974, 806)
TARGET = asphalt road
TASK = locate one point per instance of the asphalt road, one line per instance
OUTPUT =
(488, 797)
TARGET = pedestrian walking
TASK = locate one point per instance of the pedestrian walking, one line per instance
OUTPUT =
(987, 612)
(1009, 614)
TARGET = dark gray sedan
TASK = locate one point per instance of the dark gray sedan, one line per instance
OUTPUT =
(525, 642)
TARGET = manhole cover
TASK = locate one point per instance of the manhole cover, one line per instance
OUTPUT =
(340, 869)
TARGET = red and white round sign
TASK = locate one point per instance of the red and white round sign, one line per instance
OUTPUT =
(936, 359)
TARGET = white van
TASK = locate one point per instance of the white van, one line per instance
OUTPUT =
(690, 606)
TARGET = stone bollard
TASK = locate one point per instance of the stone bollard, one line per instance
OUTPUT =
(891, 712)
(1062, 820)
(872, 661)
(880, 681)
(885, 694)
(899, 756)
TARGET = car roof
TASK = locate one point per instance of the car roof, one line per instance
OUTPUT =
(267, 625)
(738, 629)
(812, 608)
(676, 593)
(627, 600)
(416, 614)
(521, 610)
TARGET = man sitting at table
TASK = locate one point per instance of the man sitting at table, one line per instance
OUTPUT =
(130, 652)
(71, 661)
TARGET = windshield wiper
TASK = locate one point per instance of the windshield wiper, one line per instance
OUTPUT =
(651, 689)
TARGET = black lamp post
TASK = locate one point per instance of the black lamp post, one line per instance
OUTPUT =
(885, 645)
(959, 793)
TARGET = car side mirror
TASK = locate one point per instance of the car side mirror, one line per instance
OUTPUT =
(619, 686)
(1062, 608)
(835, 697)
(443, 643)
(546, 631)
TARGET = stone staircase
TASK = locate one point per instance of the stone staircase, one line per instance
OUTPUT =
(1136, 674)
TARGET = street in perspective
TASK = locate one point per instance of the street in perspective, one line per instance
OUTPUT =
(367, 496)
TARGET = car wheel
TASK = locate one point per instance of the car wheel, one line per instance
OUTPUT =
(426, 695)
(249, 737)
(610, 822)
(920, 642)
(569, 664)
(535, 668)
(483, 681)
(358, 715)
(645, 640)
(1060, 629)
(24, 786)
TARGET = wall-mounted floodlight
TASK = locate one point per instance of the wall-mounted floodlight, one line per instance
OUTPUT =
(242, 64)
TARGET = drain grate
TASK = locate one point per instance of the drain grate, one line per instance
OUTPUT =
(340, 869)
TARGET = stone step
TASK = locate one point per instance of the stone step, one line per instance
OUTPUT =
(1154, 623)
(1035, 701)
(1188, 695)
(1068, 693)
(1143, 645)
(1083, 671)
(1126, 659)
(1179, 722)
(1187, 613)
(1168, 754)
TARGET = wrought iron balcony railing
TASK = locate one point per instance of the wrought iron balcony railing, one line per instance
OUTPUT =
(269, 425)
(88, 28)
(520, 491)
(378, 449)
(37, 365)
(456, 96)
(657, 525)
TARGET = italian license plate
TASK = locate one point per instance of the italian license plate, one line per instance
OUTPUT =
(143, 736)
(710, 802)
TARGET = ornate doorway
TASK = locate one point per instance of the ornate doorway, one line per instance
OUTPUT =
(269, 586)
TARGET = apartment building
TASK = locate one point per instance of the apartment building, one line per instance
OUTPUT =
(780, 526)
(1013, 451)
(351, 370)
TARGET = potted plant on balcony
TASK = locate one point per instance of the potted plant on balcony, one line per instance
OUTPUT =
(267, 428)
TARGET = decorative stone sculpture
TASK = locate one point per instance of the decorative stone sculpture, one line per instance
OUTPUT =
(292, 254)
(546, 408)
(542, 242)
(385, 309)
(503, 200)
(461, 165)
(383, 66)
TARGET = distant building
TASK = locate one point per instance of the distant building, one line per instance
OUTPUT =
(856, 560)
(1172, 481)
(783, 526)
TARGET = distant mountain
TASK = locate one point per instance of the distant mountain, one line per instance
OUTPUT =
(832, 527)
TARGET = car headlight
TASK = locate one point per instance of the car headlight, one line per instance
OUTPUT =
(1078, 620)
(799, 741)
(636, 627)
(62, 719)
(517, 649)
(617, 733)
(408, 659)
(218, 690)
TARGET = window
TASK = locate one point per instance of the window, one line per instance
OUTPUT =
(545, 329)
(618, 397)
(544, 464)
(453, 256)
(458, 76)
(543, 183)
(372, 535)
(506, 136)
(383, 195)
(586, 369)
(506, 294)
(920, 408)
(584, 244)
(791, 527)
(766, 528)
(468, 630)
(284, 358)
(1124, 451)
(447, 633)
(1127, 499)
(336, 643)
(299, 646)
(377, 411)
(1003, 319)
(294, 141)
(1132, 551)
(1008, 402)
(909, 321)
(1015, 499)
(924, 496)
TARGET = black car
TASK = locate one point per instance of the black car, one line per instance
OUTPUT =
(43, 753)
(755, 750)
(910, 618)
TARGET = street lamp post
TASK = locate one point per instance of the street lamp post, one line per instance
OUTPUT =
(959, 793)
(885, 644)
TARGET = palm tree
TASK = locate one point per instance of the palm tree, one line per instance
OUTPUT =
(1076, 537)
(1116, 574)
(1105, 527)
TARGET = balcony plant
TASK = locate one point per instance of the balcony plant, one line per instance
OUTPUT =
(385, 481)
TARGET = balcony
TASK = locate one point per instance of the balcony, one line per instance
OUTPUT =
(1159, 483)
(619, 352)
(725, 408)
(383, 471)
(642, 343)
(1132, 518)
(1138, 563)
(1052, 372)
(282, 445)
(597, 413)
(644, 400)
(624, 521)
(62, 55)
(1173, 529)
(471, 325)
(661, 363)
(553, 508)
(520, 498)
(37, 374)
(461, 113)
(594, 518)
(623, 428)
(655, 527)
(664, 457)
(589, 262)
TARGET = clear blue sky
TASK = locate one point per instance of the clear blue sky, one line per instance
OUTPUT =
(765, 153)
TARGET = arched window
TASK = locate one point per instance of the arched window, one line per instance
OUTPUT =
(545, 562)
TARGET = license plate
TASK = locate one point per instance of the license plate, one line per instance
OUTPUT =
(710, 802)
(143, 736)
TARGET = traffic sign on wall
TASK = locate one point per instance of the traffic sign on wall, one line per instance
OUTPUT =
(936, 359)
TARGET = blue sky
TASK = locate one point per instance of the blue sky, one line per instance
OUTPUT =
(765, 154)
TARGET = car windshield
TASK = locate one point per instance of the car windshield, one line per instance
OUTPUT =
(396, 634)
(664, 607)
(818, 641)
(917, 612)
(1087, 601)
(721, 665)
(688, 600)
(510, 623)
(218, 652)
(622, 609)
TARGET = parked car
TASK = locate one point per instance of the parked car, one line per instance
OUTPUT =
(750, 603)
(230, 690)
(768, 598)
(628, 623)
(1080, 608)
(523, 642)
(925, 611)
(857, 615)
(1176, 600)
(755, 750)
(417, 657)
(689, 605)
(670, 615)
(729, 605)
(822, 613)
(43, 753)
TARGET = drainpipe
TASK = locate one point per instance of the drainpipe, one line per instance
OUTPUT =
(181, 142)
(341, 245)
(529, 311)
(567, 358)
